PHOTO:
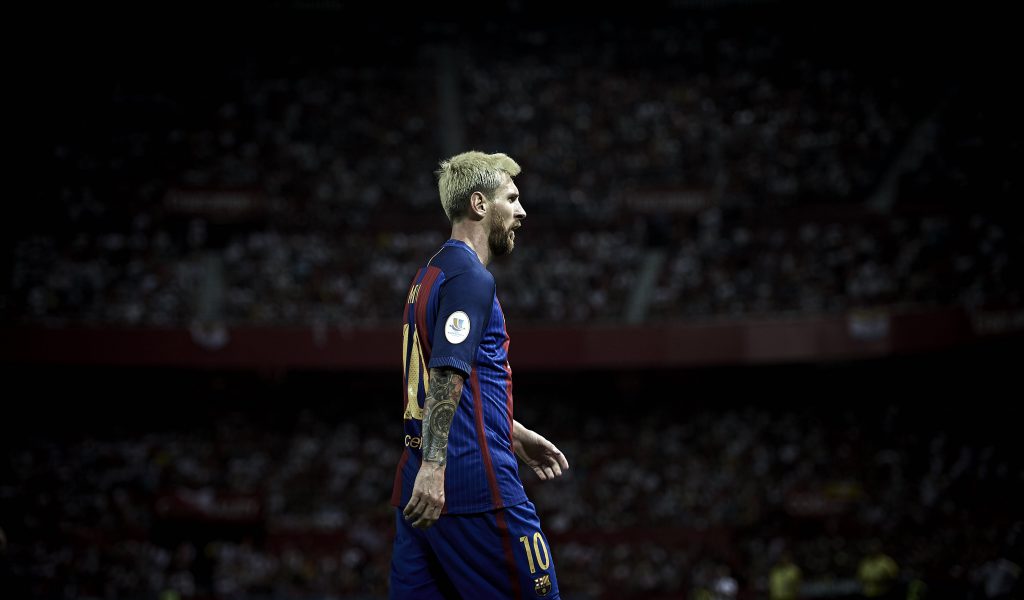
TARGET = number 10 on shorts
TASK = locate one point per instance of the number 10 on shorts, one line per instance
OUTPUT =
(539, 550)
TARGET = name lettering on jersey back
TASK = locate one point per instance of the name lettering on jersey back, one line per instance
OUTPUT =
(414, 293)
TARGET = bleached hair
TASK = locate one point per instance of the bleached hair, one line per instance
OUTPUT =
(463, 174)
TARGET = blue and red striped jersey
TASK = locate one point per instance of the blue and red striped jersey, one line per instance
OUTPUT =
(453, 319)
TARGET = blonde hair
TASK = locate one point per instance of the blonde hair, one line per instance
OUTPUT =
(469, 172)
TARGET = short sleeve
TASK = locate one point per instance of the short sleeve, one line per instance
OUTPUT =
(464, 311)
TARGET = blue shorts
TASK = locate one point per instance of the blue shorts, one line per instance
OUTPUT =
(497, 554)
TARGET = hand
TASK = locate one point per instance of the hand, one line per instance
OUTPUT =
(427, 500)
(546, 460)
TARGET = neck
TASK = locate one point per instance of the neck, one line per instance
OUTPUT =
(474, 236)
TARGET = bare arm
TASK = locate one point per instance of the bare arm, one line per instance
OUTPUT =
(546, 460)
(427, 500)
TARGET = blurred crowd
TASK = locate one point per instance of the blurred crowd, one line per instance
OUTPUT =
(723, 162)
(739, 155)
(290, 502)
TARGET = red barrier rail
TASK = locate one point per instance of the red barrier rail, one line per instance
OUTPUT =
(857, 335)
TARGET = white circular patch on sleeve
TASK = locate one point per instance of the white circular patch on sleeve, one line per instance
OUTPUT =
(456, 328)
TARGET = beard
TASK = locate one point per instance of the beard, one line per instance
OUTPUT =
(500, 239)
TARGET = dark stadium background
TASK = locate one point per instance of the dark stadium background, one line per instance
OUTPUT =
(768, 297)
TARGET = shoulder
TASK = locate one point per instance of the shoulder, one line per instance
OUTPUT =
(458, 264)
(476, 278)
(468, 283)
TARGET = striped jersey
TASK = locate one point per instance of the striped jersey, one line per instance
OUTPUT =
(453, 319)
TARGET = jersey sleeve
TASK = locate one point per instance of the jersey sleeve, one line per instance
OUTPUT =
(463, 313)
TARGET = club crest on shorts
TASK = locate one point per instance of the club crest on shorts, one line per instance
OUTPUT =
(542, 585)
(456, 328)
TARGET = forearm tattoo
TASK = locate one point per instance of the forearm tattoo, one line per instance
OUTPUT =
(438, 412)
